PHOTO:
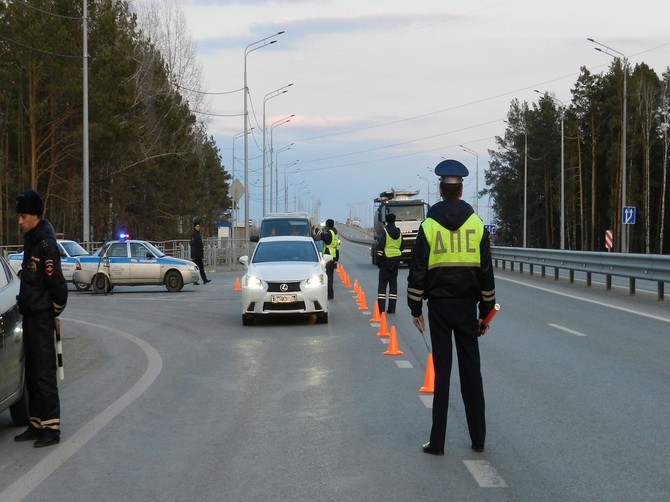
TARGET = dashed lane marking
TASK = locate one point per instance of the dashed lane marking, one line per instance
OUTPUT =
(484, 473)
(567, 330)
(404, 364)
(427, 400)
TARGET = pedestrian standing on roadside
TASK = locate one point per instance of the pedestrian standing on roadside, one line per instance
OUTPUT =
(42, 297)
(197, 251)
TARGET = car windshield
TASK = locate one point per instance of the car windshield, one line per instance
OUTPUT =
(73, 249)
(285, 251)
(157, 252)
(285, 226)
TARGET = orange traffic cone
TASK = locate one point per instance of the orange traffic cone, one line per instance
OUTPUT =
(361, 301)
(347, 281)
(376, 317)
(237, 284)
(393, 345)
(429, 378)
(356, 287)
(383, 328)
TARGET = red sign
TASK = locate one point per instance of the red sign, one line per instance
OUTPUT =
(608, 239)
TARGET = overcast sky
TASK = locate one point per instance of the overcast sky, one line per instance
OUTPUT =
(383, 89)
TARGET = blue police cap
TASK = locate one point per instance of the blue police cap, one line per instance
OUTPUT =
(451, 171)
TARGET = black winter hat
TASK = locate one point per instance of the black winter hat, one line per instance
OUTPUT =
(196, 222)
(28, 202)
(330, 223)
(390, 218)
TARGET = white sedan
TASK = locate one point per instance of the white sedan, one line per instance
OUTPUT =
(285, 276)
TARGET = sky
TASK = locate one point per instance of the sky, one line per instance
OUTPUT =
(383, 90)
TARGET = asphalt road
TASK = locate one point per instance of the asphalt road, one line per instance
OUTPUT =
(168, 397)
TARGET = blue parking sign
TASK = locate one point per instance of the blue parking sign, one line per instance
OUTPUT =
(628, 214)
(491, 229)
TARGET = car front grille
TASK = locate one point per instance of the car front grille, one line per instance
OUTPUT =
(275, 287)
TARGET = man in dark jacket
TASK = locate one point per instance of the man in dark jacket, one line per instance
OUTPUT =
(389, 256)
(451, 267)
(197, 251)
(42, 297)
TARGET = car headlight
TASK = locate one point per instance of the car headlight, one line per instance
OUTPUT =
(253, 282)
(314, 281)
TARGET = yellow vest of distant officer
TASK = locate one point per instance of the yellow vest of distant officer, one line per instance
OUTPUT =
(454, 248)
(392, 246)
(331, 248)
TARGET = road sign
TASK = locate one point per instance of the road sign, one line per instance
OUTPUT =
(491, 229)
(628, 214)
(608, 239)
(236, 190)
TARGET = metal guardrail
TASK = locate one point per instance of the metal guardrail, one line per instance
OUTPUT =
(655, 268)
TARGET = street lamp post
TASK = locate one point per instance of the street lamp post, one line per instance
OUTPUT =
(248, 49)
(556, 100)
(235, 202)
(276, 123)
(428, 182)
(286, 175)
(266, 98)
(276, 164)
(472, 152)
(618, 55)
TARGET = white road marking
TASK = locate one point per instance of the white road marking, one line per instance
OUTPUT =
(427, 400)
(484, 473)
(24, 485)
(404, 364)
(567, 330)
(596, 302)
(385, 341)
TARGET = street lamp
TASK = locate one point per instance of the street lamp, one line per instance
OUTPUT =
(235, 202)
(276, 164)
(427, 181)
(556, 100)
(470, 151)
(276, 123)
(266, 98)
(248, 49)
(286, 175)
(618, 55)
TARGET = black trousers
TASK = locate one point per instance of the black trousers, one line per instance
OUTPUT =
(388, 276)
(330, 272)
(40, 354)
(201, 267)
(460, 318)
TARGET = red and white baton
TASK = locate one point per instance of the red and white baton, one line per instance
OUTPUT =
(487, 320)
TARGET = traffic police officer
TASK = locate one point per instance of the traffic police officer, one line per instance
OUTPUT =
(42, 297)
(331, 244)
(451, 267)
(389, 252)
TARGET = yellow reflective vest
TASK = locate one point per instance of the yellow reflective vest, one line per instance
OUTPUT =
(454, 248)
(392, 246)
(331, 248)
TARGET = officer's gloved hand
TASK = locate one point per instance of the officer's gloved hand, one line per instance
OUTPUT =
(58, 309)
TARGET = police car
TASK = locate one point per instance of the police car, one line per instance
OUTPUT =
(69, 252)
(128, 262)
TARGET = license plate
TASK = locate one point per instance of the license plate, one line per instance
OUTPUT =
(284, 298)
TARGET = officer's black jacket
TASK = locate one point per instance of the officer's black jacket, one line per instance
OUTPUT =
(197, 251)
(457, 283)
(43, 286)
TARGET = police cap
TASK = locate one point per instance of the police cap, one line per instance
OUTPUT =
(451, 171)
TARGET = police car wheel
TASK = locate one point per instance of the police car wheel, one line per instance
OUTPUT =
(174, 281)
(82, 286)
(101, 283)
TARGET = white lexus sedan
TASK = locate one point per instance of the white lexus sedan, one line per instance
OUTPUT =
(285, 276)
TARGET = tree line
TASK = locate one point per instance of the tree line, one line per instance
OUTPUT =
(529, 154)
(152, 166)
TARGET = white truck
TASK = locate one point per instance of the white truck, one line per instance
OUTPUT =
(409, 213)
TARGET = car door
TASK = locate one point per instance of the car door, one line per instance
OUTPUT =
(11, 346)
(119, 263)
(144, 266)
(67, 264)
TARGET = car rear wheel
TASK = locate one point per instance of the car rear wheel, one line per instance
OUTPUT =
(247, 320)
(82, 286)
(174, 281)
(101, 284)
(19, 410)
(322, 318)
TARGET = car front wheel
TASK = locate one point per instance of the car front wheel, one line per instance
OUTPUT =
(82, 286)
(174, 281)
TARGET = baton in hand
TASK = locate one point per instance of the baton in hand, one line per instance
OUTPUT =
(59, 350)
(487, 320)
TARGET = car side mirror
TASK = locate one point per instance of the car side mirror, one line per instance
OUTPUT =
(244, 260)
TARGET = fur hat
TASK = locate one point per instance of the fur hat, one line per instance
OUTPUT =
(28, 202)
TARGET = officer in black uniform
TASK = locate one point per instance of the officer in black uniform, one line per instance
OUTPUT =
(451, 267)
(42, 297)
(197, 251)
(389, 256)
(331, 246)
